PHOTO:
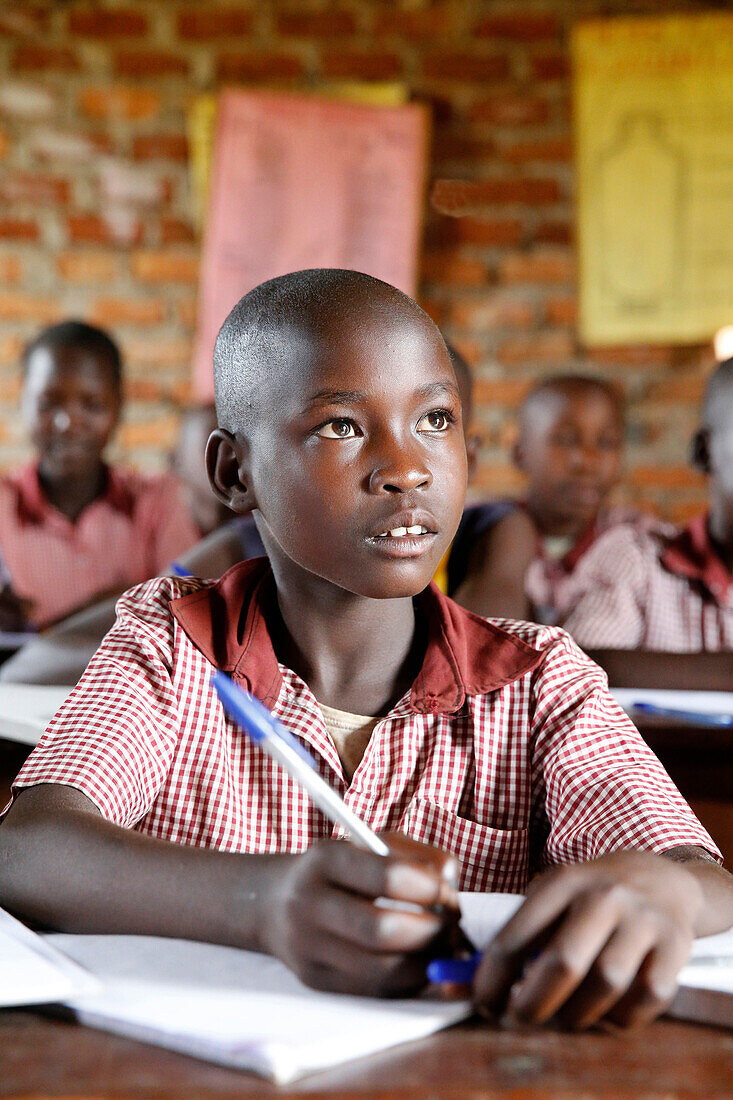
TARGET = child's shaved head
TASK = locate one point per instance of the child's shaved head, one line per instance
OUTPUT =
(289, 316)
(546, 397)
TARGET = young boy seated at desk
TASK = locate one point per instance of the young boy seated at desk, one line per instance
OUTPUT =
(656, 606)
(517, 561)
(72, 527)
(494, 747)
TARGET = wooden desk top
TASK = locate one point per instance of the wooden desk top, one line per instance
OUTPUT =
(42, 1057)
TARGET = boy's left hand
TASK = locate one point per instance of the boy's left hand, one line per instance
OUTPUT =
(594, 940)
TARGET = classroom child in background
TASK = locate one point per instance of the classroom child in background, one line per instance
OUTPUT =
(497, 751)
(517, 562)
(668, 590)
(72, 527)
(187, 466)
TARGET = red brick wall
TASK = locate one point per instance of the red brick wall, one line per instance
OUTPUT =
(96, 212)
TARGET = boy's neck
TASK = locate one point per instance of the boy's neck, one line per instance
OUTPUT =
(356, 654)
(551, 525)
(70, 496)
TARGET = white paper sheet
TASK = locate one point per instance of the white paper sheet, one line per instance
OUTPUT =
(32, 971)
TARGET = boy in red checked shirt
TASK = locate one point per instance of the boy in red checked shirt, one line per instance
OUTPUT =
(519, 561)
(72, 527)
(656, 607)
(496, 752)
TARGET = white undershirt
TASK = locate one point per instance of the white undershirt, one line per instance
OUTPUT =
(350, 733)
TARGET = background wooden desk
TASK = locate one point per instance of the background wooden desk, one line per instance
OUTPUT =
(51, 1058)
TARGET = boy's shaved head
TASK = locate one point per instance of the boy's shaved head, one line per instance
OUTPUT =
(543, 399)
(290, 316)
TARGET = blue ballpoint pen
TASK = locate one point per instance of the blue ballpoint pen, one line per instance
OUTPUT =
(695, 718)
(279, 743)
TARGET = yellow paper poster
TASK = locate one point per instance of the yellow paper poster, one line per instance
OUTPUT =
(654, 156)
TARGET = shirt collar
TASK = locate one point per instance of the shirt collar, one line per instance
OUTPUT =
(691, 554)
(35, 507)
(465, 655)
(580, 547)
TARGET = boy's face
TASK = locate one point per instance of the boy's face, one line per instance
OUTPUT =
(571, 451)
(359, 443)
(71, 407)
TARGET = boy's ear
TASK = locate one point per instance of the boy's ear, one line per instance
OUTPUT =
(226, 466)
(700, 450)
(473, 444)
(518, 453)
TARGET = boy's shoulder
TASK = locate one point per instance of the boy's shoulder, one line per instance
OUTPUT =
(628, 546)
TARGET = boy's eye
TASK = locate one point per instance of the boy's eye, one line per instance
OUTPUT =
(439, 420)
(337, 429)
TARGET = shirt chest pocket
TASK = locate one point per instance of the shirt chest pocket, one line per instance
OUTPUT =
(490, 859)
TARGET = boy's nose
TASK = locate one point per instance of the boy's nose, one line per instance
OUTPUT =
(61, 420)
(390, 478)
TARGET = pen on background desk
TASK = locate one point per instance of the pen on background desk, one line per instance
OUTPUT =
(695, 718)
(179, 570)
(279, 743)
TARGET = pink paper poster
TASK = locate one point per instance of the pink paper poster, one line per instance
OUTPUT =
(301, 182)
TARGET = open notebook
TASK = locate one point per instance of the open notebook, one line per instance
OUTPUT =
(246, 1010)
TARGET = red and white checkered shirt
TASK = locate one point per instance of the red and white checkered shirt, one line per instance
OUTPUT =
(664, 590)
(508, 751)
(548, 578)
(131, 532)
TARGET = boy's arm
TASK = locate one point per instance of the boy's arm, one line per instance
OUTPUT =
(645, 668)
(606, 938)
(605, 931)
(494, 584)
(65, 866)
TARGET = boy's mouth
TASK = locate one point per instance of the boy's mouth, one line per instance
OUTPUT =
(408, 534)
(403, 532)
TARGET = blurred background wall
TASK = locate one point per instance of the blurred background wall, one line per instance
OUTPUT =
(97, 217)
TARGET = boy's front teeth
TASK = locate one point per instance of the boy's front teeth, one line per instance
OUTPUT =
(400, 532)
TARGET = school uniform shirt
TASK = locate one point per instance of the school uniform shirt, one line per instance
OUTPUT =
(131, 532)
(551, 572)
(665, 590)
(555, 560)
(508, 750)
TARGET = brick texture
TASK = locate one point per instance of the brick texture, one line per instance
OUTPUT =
(96, 214)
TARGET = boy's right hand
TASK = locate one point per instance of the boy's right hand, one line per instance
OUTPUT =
(321, 919)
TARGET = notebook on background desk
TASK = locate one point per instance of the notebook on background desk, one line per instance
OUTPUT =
(26, 710)
(696, 703)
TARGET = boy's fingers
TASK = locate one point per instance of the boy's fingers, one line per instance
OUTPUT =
(363, 925)
(413, 872)
(565, 960)
(505, 956)
(655, 984)
(612, 974)
(335, 965)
